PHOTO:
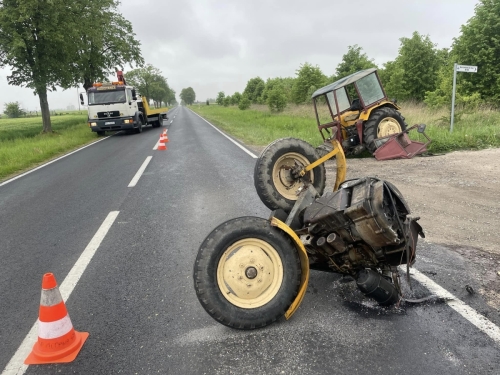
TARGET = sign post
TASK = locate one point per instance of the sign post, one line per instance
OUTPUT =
(458, 68)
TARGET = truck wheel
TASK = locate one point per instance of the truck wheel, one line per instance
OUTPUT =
(138, 130)
(274, 181)
(247, 273)
(100, 133)
(382, 122)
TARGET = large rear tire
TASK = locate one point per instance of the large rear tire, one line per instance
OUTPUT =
(274, 181)
(247, 273)
(382, 122)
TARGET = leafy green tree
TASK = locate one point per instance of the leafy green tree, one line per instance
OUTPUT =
(353, 61)
(479, 44)
(307, 76)
(244, 103)
(227, 101)
(106, 40)
(13, 110)
(276, 99)
(208, 102)
(414, 71)
(254, 89)
(220, 98)
(235, 99)
(188, 95)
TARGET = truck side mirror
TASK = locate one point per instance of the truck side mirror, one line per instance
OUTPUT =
(134, 95)
(81, 98)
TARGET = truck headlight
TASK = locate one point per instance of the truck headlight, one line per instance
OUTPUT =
(92, 123)
(128, 121)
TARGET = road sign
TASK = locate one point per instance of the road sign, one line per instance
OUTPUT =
(467, 68)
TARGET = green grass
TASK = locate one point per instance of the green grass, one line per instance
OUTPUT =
(473, 130)
(22, 146)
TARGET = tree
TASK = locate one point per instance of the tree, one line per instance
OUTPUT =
(220, 98)
(106, 41)
(208, 102)
(188, 95)
(244, 103)
(307, 76)
(13, 110)
(44, 43)
(227, 101)
(479, 44)
(254, 89)
(353, 61)
(414, 71)
(276, 99)
(235, 99)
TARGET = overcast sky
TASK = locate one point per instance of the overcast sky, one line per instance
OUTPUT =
(218, 45)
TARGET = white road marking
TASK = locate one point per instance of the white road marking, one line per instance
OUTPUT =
(16, 364)
(459, 306)
(232, 140)
(140, 172)
(50, 162)
(171, 121)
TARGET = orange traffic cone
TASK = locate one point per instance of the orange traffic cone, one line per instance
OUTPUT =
(57, 341)
(161, 146)
(164, 131)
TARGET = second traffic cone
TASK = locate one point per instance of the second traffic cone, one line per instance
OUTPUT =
(58, 342)
(162, 146)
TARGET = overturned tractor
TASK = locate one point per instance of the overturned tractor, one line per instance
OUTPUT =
(251, 271)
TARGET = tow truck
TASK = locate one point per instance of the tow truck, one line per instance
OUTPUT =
(114, 106)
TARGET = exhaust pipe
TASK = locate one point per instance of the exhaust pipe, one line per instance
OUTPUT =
(373, 285)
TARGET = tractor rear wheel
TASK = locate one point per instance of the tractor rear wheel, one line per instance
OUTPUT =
(247, 273)
(275, 176)
(382, 122)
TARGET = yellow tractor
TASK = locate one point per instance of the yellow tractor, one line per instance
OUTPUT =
(355, 110)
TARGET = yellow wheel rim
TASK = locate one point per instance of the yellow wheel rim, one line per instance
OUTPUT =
(283, 180)
(250, 273)
(388, 126)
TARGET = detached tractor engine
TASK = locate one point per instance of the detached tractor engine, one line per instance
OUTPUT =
(251, 271)
(363, 225)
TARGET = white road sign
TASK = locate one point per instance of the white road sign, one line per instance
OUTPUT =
(467, 68)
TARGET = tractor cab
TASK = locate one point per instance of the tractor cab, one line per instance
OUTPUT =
(355, 111)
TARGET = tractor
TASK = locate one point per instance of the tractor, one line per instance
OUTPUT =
(355, 110)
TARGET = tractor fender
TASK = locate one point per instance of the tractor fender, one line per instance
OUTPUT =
(365, 115)
(304, 265)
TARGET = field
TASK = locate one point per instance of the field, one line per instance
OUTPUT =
(23, 146)
(473, 129)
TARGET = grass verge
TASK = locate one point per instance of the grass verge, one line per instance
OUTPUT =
(22, 146)
(258, 126)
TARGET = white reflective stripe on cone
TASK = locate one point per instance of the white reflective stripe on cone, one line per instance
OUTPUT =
(53, 330)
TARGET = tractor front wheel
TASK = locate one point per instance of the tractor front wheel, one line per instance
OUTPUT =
(276, 176)
(247, 273)
(382, 122)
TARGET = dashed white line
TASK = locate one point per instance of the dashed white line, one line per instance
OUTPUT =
(140, 172)
(225, 135)
(50, 162)
(16, 364)
(463, 309)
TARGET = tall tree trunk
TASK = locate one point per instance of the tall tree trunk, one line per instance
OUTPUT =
(44, 106)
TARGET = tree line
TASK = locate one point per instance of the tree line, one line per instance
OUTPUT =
(421, 71)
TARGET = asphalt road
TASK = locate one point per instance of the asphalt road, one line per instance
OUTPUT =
(136, 296)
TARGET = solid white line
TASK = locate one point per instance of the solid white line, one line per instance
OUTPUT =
(50, 162)
(16, 364)
(225, 135)
(459, 306)
(140, 172)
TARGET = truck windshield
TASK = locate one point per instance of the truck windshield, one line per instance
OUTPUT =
(105, 97)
